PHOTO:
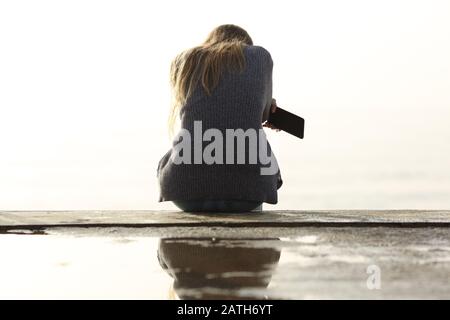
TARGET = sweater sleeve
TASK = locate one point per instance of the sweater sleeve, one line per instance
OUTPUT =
(267, 86)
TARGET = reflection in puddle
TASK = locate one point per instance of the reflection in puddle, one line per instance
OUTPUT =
(316, 263)
(87, 267)
(212, 268)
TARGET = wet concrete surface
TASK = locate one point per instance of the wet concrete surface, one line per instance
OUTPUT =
(396, 255)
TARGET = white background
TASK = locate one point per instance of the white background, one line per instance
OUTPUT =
(84, 99)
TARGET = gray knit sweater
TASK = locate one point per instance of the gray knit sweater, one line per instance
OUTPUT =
(241, 100)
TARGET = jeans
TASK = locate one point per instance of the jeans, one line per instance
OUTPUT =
(218, 205)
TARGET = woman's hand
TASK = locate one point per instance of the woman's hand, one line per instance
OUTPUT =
(273, 108)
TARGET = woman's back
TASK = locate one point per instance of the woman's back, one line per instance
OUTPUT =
(207, 160)
(239, 99)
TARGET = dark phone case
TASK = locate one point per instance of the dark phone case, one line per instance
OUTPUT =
(288, 122)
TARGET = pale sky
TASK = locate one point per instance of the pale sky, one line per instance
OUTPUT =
(84, 90)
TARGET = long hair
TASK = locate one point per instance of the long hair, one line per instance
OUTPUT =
(203, 65)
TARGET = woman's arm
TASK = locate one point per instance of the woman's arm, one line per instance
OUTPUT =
(268, 89)
(270, 102)
(272, 108)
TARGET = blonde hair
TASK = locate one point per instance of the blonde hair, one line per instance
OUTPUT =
(222, 49)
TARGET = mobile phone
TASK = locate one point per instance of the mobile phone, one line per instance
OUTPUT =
(287, 121)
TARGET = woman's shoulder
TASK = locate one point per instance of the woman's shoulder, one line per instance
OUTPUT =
(258, 52)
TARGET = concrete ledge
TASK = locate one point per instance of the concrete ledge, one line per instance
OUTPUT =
(294, 218)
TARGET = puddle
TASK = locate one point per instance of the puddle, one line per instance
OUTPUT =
(313, 263)
(213, 268)
(23, 231)
(48, 267)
